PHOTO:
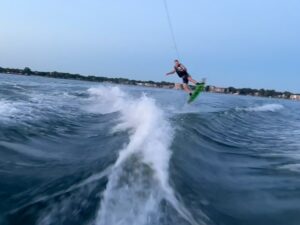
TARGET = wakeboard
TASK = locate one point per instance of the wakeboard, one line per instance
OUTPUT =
(199, 88)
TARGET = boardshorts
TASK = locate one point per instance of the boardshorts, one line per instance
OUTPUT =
(185, 79)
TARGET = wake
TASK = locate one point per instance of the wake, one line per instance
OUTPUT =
(263, 108)
(139, 182)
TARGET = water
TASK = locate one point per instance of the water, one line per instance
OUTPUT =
(75, 152)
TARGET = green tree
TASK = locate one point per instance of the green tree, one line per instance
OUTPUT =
(27, 71)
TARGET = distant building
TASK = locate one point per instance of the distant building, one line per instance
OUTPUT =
(148, 85)
(295, 97)
(216, 89)
(168, 86)
(281, 96)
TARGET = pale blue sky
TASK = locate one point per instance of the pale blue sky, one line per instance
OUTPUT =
(242, 43)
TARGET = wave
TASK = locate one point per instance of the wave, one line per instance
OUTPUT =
(12, 111)
(36, 107)
(139, 181)
(292, 167)
(8, 108)
(263, 108)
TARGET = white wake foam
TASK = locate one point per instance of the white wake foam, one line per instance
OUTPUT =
(139, 181)
(265, 108)
(34, 107)
(7, 109)
(292, 167)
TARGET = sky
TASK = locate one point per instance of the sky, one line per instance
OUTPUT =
(240, 43)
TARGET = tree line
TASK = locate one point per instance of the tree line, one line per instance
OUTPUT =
(27, 71)
(258, 92)
(230, 90)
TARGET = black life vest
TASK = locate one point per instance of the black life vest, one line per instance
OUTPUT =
(180, 71)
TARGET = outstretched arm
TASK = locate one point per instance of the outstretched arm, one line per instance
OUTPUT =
(172, 72)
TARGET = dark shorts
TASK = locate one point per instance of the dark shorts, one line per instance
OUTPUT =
(184, 76)
(185, 79)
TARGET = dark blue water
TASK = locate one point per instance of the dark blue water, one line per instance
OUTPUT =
(76, 152)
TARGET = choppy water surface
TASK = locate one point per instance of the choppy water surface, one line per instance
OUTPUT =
(85, 153)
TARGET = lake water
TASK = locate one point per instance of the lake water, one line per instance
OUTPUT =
(74, 152)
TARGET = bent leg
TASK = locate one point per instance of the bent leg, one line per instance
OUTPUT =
(186, 88)
(192, 80)
(177, 87)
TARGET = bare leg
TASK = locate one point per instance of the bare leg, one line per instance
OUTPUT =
(178, 86)
(186, 88)
(192, 80)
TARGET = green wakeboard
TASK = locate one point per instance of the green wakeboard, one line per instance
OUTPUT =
(199, 88)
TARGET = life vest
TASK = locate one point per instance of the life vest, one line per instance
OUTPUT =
(180, 71)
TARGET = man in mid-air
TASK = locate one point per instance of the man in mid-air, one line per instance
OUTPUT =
(181, 71)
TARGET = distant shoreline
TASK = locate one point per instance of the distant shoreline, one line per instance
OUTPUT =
(163, 84)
